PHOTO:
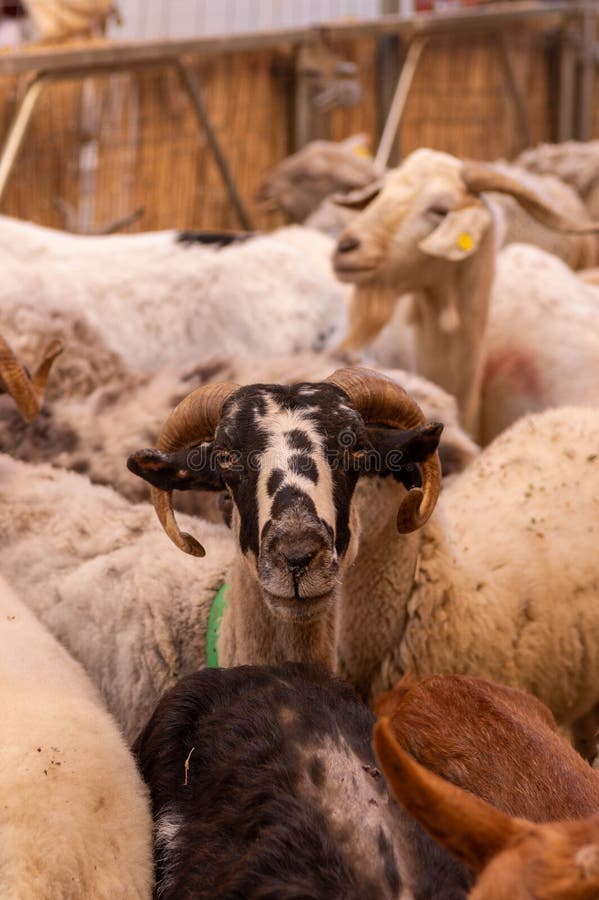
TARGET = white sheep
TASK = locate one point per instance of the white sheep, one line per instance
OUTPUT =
(504, 333)
(501, 582)
(575, 162)
(75, 815)
(100, 575)
(156, 300)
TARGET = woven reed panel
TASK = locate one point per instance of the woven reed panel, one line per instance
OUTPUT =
(108, 146)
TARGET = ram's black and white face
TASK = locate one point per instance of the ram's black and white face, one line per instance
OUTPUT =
(290, 458)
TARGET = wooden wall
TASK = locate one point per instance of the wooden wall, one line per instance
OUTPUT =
(112, 145)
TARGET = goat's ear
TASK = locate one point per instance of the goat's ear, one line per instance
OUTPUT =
(397, 453)
(358, 144)
(459, 234)
(359, 198)
(190, 469)
(471, 829)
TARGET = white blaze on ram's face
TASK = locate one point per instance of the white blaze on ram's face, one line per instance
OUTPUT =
(279, 423)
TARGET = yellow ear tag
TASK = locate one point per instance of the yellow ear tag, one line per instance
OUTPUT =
(362, 150)
(465, 241)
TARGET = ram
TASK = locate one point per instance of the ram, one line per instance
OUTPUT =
(135, 612)
(75, 816)
(490, 586)
(506, 333)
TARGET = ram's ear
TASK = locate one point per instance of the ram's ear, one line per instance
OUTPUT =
(190, 469)
(397, 453)
(459, 234)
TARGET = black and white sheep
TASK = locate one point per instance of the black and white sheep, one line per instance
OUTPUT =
(264, 785)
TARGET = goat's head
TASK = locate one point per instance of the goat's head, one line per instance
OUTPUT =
(430, 212)
(290, 458)
(300, 183)
(516, 858)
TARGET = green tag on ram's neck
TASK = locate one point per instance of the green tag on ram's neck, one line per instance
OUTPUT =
(219, 604)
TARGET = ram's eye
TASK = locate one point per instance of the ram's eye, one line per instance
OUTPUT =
(225, 459)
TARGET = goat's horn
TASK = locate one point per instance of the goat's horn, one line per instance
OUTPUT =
(193, 421)
(380, 400)
(28, 393)
(478, 178)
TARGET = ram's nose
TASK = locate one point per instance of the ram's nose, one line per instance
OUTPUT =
(300, 555)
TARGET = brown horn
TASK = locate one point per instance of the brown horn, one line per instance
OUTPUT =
(28, 393)
(479, 178)
(193, 421)
(380, 400)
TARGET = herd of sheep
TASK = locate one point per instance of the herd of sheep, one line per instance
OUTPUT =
(302, 413)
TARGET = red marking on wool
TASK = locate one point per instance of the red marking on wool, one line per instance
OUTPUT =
(518, 369)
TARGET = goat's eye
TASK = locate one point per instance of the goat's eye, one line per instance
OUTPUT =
(437, 213)
(225, 459)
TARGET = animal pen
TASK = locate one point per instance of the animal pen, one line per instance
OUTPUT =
(177, 132)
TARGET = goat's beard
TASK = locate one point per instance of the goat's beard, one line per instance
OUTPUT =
(371, 308)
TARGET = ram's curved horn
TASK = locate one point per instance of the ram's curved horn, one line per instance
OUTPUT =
(478, 178)
(382, 401)
(194, 420)
(28, 393)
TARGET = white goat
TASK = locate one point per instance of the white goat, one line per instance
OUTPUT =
(526, 341)
(156, 300)
(75, 816)
(310, 186)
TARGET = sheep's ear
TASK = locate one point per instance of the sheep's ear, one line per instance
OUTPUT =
(360, 197)
(190, 469)
(398, 453)
(471, 829)
(459, 234)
